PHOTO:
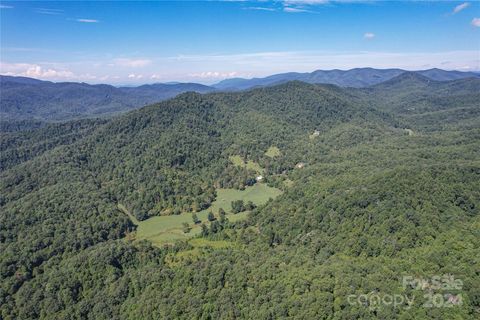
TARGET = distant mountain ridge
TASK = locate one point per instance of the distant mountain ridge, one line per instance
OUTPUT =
(358, 77)
(31, 99)
(425, 102)
(25, 98)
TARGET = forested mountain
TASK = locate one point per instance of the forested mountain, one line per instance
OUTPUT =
(358, 77)
(372, 192)
(25, 99)
(428, 103)
(30, 99)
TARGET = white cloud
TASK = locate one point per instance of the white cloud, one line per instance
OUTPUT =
(295, 6)
(266, 63)
(135, 76)
(214, 75)
(88, 20)
(46, 72)
(49, 11)
(294, 9)
(476, 22)
(369, 35)
(34, 71)
(132, 63)
(2, 6)
(461, 7)
(210, 68)
(305, 2)
(260, 8)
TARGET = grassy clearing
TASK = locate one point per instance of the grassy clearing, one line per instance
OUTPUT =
(258, 193)
(237, 160)
(251, 165)
(273, 152)
(205, 243)
(200, 245)
(166, 229)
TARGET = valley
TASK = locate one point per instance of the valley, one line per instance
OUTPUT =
(101, 211)
(240, 160)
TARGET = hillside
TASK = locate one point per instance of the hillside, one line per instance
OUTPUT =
(31, 99)
(24, 99)
(428, 103)
(358, 203)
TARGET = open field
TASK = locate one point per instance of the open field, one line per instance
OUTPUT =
(164, 229)
(273, 152)
(200, 246)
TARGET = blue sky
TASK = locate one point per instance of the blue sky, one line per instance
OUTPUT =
(206, 41)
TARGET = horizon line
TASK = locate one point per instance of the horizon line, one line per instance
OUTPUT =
(173, 82)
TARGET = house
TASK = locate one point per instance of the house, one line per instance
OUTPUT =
(259, 178)
(300, 165)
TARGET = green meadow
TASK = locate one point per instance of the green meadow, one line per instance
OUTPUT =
(166, 229)
(199, 247)
(273, 152)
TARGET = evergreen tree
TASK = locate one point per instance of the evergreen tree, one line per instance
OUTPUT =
(250, 206)
(195, 218)
(238, 206)
(204, 230)
(185, 227)
(221, 214)
(211, 216)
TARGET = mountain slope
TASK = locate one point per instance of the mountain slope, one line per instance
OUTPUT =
(27, 99)
(443, 75)
(161, 91)
(427, 103)
(31, 99)
(370, 205)
(190, 138)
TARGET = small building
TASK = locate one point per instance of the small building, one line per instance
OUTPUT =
(300, 165)
(315, 134)
(259, 178)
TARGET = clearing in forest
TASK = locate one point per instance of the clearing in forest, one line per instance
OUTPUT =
(273, 152)
(166, 229)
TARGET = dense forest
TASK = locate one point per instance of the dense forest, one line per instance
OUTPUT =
(387, 188)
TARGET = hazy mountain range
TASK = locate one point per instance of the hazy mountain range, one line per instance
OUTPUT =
(31, 99)
(359, 77)
(26, 98)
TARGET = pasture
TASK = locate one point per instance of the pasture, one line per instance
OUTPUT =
(166, 229)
